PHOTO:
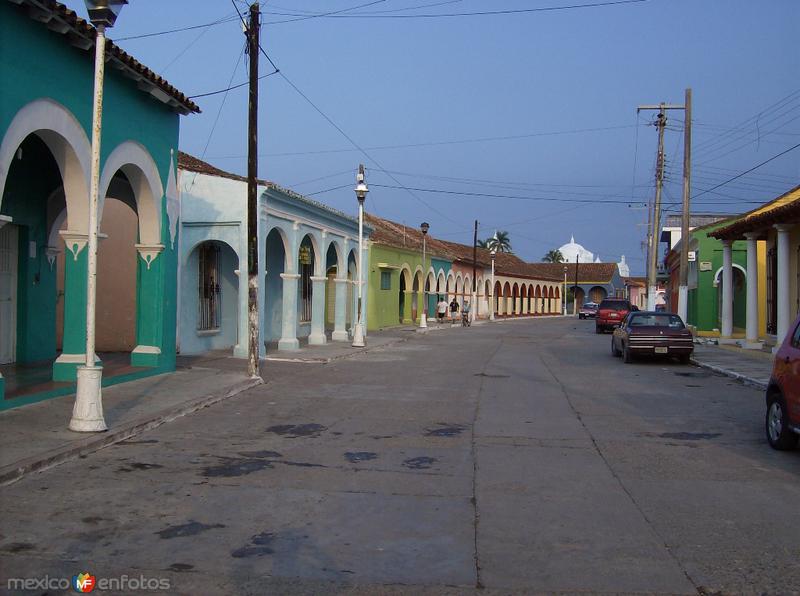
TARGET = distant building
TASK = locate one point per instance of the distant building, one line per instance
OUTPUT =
(573, 251)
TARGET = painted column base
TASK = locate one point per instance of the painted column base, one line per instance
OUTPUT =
(290, 343)
(65, 368)
(147, 356)
(340, 336)
(728, 341)
(753, 345)
(317, 339)
(87, 414)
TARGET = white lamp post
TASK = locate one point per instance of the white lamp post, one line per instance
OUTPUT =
(492, 252)
(423, 320)
(564, 293)
(87, 414)
(361, 195)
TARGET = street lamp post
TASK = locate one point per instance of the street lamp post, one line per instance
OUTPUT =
(423, 320)
(87, 414)
(492, 252)
(564, 293)
(361, 195)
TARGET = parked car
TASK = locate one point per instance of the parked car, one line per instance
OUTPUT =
(588, 310)
(652, 333)
(783, 394)
(610, 313)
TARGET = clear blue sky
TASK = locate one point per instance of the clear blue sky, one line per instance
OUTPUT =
(404, 81)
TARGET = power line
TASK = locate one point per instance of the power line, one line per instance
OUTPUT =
(319, 15)
(747, 171)
(437, 143)
(237, 86)
(461, 14)
(223, 20)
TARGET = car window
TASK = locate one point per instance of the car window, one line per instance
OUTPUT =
(796, 337)
(614, 305)
(656, 320)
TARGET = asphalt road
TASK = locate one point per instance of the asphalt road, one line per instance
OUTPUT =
(506, 458)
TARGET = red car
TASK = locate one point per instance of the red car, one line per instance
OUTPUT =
(610, 313)
(783, 393)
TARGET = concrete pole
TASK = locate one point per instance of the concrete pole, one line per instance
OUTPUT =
(564, 293)
(423, 319)
(784, 283)
(358, 331)
(727, 292)
(683, 285)
(87, 413)
(652, 266)
(491, 295)
(751, 338)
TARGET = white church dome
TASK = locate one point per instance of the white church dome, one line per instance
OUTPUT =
(572, 251)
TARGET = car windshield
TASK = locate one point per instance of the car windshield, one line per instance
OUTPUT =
(653, 320)
(614, 305)
(590, 306)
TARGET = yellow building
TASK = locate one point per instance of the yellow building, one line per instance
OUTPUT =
(773, 299)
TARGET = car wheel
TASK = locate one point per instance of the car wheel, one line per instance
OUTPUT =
(614, 351)
(627, 357)
(779, 435)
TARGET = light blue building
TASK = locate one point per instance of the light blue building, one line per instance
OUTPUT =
(307, 265)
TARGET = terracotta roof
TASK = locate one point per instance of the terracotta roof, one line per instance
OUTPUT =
(587, 272)
(784, 209)
(194, 164)
(397, 235)
(82, 34)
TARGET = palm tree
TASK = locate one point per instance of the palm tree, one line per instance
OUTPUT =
(499, 242)
(483, 243)
(553, 256)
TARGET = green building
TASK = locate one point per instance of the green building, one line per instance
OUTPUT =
(45, 154)
(704, 306)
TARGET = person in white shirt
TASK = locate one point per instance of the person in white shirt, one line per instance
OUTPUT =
(441, 310)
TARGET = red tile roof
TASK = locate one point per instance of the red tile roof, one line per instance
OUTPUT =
(82, 34)
(587, 272)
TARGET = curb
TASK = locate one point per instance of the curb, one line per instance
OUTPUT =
(335, 358)
(37, 463)
(745, 380)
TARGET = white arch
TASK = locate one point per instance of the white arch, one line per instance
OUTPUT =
(69, 145)
(288, 261)
(197, 244)
(734, 266)
(339, 254)
(140, 169)
(319, 266)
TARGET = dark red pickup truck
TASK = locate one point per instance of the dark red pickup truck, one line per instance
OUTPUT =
(610, 314)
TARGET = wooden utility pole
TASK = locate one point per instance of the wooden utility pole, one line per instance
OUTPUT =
(575, 290)
(683, 286)
(652, 255)
(253, 368)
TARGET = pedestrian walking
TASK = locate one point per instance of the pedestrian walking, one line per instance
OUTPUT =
(465, 314)
(441, 309)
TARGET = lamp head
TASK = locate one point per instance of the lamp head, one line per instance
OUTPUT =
(104, 13)
(493, 252)
(361, 185)
(424, 226)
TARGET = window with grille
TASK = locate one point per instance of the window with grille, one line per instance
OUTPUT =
(208, 287)
(306, 285)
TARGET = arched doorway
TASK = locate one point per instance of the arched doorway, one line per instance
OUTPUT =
(275, 265)
(739, 297)
(211, 288)
(597, 294)
(523, 296)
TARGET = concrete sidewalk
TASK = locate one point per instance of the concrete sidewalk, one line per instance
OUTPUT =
(751, 367)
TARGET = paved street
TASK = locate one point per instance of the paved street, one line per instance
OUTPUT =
(514, 457)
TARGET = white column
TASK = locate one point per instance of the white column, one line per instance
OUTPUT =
(340, 311)
(727, 292)
(317, 336)
(784, 283)
(751, 341)
(288, 340)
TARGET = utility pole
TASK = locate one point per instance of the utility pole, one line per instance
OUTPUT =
(652, 254)
(253, 46)
(575, 291)
(474, 307)
(683, 286)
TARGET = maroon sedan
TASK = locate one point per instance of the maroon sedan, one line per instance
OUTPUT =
(652, 333)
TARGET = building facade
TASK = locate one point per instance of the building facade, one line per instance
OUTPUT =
(307, 264)
(45, 152)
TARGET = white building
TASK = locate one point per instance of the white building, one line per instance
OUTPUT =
(572, 251)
